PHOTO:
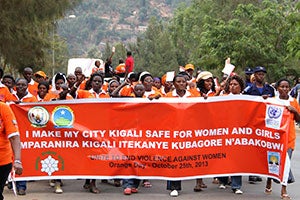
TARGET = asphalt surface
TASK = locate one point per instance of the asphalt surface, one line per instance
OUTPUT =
(40, 190)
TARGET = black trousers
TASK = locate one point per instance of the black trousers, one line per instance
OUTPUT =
(4, 172)
(173, 185)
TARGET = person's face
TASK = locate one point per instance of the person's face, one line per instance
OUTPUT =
(180, 83)
(97, 63)
(78, 73)
(283, 89)
(208, 83)
(42, 90)
(247, 76)
(58, 84)
(21, 86)
(27, 74)
(71, 79)
(8, 82)
(168, 84)
(97, 83)
(139, 90)
(190, 72)
(259, 77)
(113, 86)
(234, 87)
(157, 84)
(39, 78)
(148, 83)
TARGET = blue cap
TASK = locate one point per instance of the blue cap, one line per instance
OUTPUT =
(248, 70)
(259, 69)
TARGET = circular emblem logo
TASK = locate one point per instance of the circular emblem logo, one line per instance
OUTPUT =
(274, 112)
(63, 117)
(38, 116)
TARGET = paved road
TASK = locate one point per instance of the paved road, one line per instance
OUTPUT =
(40, 190)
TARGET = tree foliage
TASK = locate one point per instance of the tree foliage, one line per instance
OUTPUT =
(251, 33)
(27, 28)
(155, 50)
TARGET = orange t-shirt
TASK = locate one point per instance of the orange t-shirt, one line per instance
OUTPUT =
(82, 84)
(27, 98)
(55, 95)
(153, 93)
(292, 131)
(82, 94)
(33, 87)
(5, 94)
(8, 128)
(126, 91)
(120, 69)
(102, 94)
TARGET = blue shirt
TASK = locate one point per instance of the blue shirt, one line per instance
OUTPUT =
(265, 90)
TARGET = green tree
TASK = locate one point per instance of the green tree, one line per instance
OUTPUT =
(250, 32)
(156, 52)
(26, 30)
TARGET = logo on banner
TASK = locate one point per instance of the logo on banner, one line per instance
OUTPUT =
(49, 163)
(38, 116)
(63, 117)
(273, 116)
(273, 162)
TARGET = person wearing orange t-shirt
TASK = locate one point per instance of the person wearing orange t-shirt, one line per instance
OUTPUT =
(98, 68)
(205, 84)
(180, 91)
(9, 81)
(56, 89)
(167, 86)
(128, 89)
(96, 91)
(97, 82)
(80, 78)
(22, 95)
(43, 89)
(32, 85)
(283, 87)
(5, 93)
(10, 145)
(121, 68)
(151, 92)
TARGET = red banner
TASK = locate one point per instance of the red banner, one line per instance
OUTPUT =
(162, 139)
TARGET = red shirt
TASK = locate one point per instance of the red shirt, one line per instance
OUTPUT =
(129, 64)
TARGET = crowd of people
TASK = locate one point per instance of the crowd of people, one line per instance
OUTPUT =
(38, 87)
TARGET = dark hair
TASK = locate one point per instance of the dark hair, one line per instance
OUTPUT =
(144, 76)
(178, 76)
(200, 85)
(45, 83)
(19, 79)
(9, 76)
(117, 77)
(238, 79)
(129, 53)
(59, 76)
(185, 74)
(1, 72)
(133, 75)
(281, 80)
(97, 74)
